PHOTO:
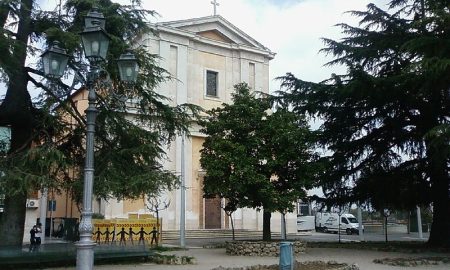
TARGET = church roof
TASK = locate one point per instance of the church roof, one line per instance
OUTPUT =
(214, 28)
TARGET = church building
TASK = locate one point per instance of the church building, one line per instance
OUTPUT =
(206, 57)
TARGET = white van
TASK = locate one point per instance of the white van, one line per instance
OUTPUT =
(331, 222)
(305, 223)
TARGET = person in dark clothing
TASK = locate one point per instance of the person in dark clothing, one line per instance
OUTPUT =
(37, 236)
(33, 239)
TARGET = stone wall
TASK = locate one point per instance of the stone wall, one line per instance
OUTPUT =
(260, 248)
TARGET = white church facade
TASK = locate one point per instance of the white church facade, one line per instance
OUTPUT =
(207, 56)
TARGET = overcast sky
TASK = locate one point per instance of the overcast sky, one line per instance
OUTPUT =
(290, 28)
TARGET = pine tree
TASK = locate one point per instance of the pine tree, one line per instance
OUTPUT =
(128, 153)
(386, 120)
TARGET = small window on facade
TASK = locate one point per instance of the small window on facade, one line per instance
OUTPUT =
(303, 209)
(251, 75)
(211, 83)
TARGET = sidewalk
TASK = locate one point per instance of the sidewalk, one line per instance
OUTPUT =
(211, 258)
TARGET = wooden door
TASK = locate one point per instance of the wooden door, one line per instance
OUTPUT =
(213, 213)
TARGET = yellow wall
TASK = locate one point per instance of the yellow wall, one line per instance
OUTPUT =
(197, 183)
(65, 205)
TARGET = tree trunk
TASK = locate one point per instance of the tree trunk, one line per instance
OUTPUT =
(16, 111)
(408, 226)
(157, 226)
(386, 228)
(13, 221)
(339, 226)
(266, 226)
(232, 225)
(440, 228)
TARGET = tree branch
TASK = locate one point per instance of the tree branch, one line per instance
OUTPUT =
(74, 112)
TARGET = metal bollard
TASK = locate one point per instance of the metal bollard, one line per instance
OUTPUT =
(286, 256)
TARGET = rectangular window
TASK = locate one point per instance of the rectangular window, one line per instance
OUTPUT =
(51, 206)
(211, 83)
(251, 75)
(303, 209)
(173, 61)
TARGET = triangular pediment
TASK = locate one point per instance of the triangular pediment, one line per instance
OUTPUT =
(215, 28)
(215, 35)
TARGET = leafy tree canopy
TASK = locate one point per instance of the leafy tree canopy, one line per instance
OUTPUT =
(48, 133)
(256, 158)
(386, 120)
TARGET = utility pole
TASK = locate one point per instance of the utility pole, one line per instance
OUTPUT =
(183, 197)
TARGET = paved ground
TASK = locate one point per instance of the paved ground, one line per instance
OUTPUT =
(211, 258)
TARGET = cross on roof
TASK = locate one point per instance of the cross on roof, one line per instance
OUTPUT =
(215, 4)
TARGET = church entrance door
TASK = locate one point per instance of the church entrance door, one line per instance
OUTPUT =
(213, 213)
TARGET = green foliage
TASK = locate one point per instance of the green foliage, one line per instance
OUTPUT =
(385, 122)
(253, 157)
(32, 169)
(133, 123)
(97, 216)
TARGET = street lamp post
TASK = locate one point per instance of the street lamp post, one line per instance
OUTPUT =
(95, 44)
(85, 246)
